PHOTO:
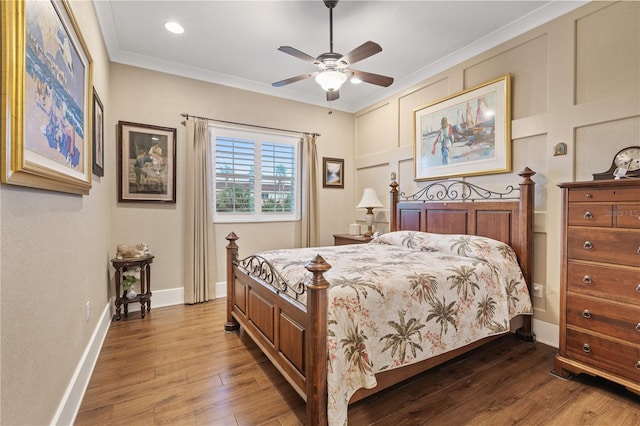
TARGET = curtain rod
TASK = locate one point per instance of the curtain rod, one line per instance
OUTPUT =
(186, 115)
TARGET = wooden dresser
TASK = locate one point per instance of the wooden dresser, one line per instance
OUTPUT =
(600, 281)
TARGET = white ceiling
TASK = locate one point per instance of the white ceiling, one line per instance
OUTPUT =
(235, 43)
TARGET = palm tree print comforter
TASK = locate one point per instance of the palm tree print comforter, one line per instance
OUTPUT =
(407, 296)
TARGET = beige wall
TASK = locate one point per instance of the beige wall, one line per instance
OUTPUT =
(54, 259)
(574, 80)
(150, 97)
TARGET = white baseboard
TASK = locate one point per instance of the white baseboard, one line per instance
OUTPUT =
(70, 404)
(547, 333)
(221, 289)
(72, 399)
(160, 298)
(175, 296)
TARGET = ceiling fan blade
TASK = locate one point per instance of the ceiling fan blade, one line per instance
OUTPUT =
(293, 79)
(332, 96)
(377, 79)
(361, 52)
(298, 54)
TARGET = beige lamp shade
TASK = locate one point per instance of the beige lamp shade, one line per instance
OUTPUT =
(369, 199)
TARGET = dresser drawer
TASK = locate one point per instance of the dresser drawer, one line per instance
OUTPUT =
(604, 245)
(627, 216)
(590, 215)
(614, 195)
(615, 357)
(610, 318)
(621, 284)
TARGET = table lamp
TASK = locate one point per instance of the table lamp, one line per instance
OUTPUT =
(369, 201)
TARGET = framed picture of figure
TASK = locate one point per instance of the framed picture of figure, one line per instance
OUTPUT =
(146, 163)
(466, 134)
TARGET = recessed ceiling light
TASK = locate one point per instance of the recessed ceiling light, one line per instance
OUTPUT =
(174, 27)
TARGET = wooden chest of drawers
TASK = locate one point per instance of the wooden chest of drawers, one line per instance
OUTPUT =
(600, 282)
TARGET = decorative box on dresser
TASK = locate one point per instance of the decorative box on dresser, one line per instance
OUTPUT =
(600, 281)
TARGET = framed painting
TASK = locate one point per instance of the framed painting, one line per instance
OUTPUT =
(46, 98)
(98, 135)
(466, 134)
(333, 172)
(146, 163)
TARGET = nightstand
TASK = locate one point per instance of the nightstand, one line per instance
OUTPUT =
(343, 239)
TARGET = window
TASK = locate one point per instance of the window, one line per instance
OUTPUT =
(257, 176)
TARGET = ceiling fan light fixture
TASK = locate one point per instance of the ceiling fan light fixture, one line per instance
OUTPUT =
(355, 80)
(174, 27)
(331, 80)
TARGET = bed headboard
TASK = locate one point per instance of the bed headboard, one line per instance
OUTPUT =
(459, 207)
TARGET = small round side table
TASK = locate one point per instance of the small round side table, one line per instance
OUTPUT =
(144, 297)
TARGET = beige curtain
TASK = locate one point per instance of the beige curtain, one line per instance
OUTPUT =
(198, 226)
(310, 234)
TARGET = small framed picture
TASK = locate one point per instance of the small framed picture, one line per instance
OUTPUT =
(333, 172)
(146, 163)
(98, 136)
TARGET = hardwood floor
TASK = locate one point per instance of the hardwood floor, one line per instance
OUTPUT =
(177, 366)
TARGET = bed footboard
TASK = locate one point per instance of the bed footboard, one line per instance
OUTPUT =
(291, 334)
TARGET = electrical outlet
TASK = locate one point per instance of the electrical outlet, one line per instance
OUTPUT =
(88, 310)
(538, 290)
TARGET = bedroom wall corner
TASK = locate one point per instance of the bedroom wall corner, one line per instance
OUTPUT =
(564, 89)
(161, 225)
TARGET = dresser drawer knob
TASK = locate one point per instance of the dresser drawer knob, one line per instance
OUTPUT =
(586, 348)
(587, 280)
(588, 245)
(587, 314)
(638, 326)
(637, 365)
(589, 195)
(638, 251)
(588, 215)
(638, 288)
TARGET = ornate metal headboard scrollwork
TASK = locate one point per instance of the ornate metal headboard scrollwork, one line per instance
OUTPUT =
(459, 190)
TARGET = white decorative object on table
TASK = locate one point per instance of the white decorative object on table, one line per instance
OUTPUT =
(131, 294)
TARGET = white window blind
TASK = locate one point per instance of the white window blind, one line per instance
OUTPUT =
(241, 194)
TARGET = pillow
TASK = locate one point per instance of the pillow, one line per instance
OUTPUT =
(410, 239)
(481, 248)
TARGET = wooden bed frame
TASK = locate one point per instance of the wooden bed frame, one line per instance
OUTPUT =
(294, 335)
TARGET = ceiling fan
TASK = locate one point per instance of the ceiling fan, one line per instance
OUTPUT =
(333, 68)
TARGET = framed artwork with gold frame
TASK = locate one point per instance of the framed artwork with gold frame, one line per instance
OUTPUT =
(465, 134)
(46, 98)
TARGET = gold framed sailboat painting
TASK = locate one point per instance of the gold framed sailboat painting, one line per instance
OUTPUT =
(465, 134)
